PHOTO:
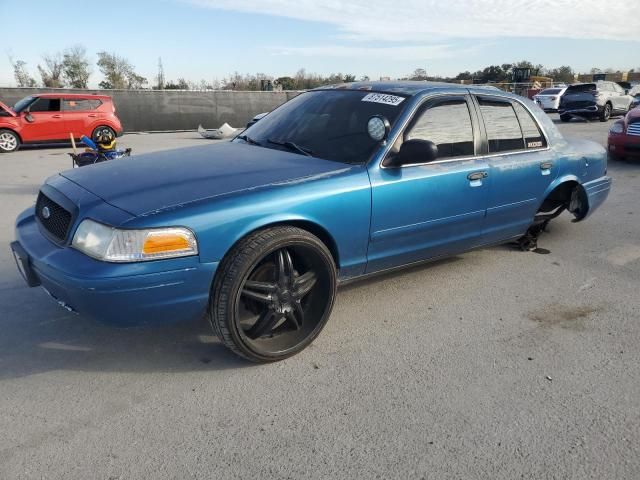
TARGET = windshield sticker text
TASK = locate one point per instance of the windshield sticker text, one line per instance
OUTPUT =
(383, 98)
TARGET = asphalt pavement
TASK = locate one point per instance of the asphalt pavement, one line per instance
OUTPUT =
(495, 364)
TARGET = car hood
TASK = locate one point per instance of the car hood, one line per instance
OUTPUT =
(144, 184)
(6, 108)
(633, 114)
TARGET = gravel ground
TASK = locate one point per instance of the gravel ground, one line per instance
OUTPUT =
(495, 364)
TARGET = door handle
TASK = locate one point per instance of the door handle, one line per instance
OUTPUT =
(546, 165)
(56, 116)
(92, 115)
(477, 176)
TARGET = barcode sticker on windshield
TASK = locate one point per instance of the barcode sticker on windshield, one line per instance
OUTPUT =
(383, 98)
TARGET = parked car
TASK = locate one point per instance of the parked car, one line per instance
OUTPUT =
(549, 98)
(635, 94)
(600, 99)
(335, 185)
(51, 117)
(624, 136)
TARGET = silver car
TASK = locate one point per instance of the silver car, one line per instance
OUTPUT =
(600, 99)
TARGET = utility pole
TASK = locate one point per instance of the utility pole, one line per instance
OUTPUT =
(160, 77)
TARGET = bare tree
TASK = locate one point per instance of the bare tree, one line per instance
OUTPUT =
(20, 73)
(160, 77)
(51, 73)
(75, 67)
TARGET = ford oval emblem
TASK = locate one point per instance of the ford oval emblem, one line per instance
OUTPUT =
(46, 213)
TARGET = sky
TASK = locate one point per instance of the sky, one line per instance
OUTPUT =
(210, 39)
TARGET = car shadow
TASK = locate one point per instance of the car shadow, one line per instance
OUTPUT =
(38, 336)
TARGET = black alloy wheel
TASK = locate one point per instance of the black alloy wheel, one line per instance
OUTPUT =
(101, 130)
(273, 293)
(606, 113)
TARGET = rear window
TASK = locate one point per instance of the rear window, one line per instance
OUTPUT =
(503, 128)
(80, 104)
(533, 137)
(550, 91)
(585, 87)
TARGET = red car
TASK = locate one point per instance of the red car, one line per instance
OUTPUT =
(624, 136)
(51, 117)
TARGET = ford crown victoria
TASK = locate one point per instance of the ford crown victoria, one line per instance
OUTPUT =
(336, 184)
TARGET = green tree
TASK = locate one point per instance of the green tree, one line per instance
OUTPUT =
(75, 67)
(118, 72)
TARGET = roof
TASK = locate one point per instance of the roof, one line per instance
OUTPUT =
(69, 95)
(405, 87)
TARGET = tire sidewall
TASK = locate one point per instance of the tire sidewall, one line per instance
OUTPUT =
(227, 290)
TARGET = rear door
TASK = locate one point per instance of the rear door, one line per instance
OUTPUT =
(47, 122)
(426, 210)
(80, 115)
(521, 166)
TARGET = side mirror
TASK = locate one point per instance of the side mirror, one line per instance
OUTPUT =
(415, 151)
(28, 117)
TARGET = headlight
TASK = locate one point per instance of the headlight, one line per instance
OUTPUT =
(116, 245)
(617, 128)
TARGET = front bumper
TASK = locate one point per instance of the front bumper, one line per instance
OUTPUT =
(623, 145)
(123, 294)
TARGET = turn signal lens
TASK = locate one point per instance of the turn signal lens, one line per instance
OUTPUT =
(164, 242)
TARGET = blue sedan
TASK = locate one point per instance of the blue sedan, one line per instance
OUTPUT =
(337, 184)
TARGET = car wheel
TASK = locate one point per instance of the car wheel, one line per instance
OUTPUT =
(273, 294)
(606, 113)
(565, 118)
(102, 129)
(9, 141)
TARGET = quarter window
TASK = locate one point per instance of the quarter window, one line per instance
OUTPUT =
(448, 125)
(533, 137)
(46, 105)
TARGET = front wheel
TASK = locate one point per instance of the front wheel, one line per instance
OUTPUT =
(9, 141)
(565, 117)
(273, 294)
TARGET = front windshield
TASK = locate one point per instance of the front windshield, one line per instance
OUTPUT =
(328, 124)
(22, 104)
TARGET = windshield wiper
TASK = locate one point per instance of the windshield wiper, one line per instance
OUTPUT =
(293, 146)
(249, 140)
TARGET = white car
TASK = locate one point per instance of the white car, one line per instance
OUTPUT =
(549, 98)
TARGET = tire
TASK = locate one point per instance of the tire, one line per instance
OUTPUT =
(97, 130)
(565, 117)
(273, 294)
(9, 141)
(605, 115)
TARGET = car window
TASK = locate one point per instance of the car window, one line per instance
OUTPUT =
(80, 104)
(448, 125)
(533, 137)
(46, 105)
(501, 123)
(618, 88)
(331, 124)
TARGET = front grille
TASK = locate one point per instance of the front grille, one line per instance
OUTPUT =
(634, 129)
(54, 218)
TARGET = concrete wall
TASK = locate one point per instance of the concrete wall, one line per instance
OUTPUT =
(157, 110)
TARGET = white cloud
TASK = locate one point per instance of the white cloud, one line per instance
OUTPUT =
(399, 53)
(429, 20)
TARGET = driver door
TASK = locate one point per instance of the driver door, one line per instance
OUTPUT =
(425, 210)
